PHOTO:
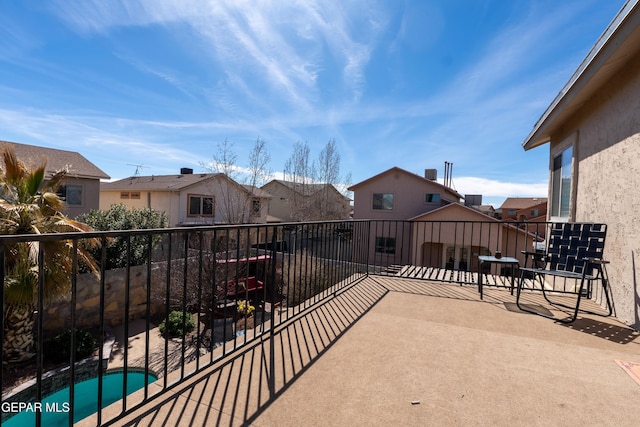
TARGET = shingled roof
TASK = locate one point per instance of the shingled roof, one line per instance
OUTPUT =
(172, 183)
(306, 189)
(158, 182)
(76, 163)
(521, 202)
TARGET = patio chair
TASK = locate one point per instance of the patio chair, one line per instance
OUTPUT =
(574, 251)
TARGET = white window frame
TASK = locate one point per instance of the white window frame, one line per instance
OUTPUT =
(561, 185)
(256, 207)
(202, 197)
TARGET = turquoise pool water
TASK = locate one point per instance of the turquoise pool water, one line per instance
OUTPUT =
(55, 408)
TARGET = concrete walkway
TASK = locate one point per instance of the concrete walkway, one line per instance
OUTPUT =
(392, 351)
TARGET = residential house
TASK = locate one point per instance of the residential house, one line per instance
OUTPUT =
(293, 201)
(488, 210)
(397, 195)
(190, 199)
(81, 187)
(528, 211)
(438, 242)
(592, 129)
(523, 208)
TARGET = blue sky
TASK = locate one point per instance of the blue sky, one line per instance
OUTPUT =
(413, 83)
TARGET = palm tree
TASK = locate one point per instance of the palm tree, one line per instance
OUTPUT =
(29, 205)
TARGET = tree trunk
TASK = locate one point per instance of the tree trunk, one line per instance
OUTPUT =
(18, 334)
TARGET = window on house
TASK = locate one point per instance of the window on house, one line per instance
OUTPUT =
(561, 184)
(200, 205)
(124, 194)
(383, 201)
(385, 245)
(432, 198)
(511, 211)
(255, 207)
(135, 195)
(534, 213)
(71, 194)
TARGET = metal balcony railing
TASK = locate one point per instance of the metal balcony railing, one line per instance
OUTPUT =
(215, 289)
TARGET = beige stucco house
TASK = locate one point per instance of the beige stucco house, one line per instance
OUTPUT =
(81, 188)
(441, 243)
(306, 202)
(523, 208)
(190, 199)
(397, 195)
(592, 129)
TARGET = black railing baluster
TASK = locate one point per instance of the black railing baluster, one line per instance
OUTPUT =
(101, 328)
(2, 313)
(185, 313)
(167, 308)
(72, 353)
(39, 333)
(127, 287)
(147, 317)
(313, 262)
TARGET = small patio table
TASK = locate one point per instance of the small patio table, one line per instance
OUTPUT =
(490, 259)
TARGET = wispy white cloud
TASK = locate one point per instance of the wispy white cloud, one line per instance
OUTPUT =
(287, 71)
(280, 46)
(14, 41)
(496, 188)
(112, 149)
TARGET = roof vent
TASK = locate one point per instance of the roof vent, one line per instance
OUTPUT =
(186, 171)
(472, 199)
(431, 174)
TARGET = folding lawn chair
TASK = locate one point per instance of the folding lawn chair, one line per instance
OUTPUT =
(574, 251)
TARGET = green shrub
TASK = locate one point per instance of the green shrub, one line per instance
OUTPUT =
(177, 319)
(59, 349)
(118, 217)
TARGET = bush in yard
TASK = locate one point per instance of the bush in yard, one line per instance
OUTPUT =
(59, 349)
(176, 321)
(118, 217)
(305, 276)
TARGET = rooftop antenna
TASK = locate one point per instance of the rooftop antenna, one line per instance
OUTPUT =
(138, 168)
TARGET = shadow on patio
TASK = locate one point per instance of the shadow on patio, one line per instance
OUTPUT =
(392, 351)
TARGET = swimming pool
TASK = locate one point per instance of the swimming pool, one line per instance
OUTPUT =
(55, 407)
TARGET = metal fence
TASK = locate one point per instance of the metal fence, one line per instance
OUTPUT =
(448, 251)
(204, 277)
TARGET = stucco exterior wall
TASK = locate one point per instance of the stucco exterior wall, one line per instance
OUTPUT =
(280, 204)
(605, 135)
(161, 201)
(408, 196)
(90, 196)
(472, 230)
(175, 203)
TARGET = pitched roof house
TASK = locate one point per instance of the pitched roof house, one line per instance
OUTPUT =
(293, 201)
(190, 199)
(592, 129)
(523, 208)
(398, 194)
(81, 188)
(438, 243)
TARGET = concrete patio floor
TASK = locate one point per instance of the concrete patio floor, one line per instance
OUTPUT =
(393, 351)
